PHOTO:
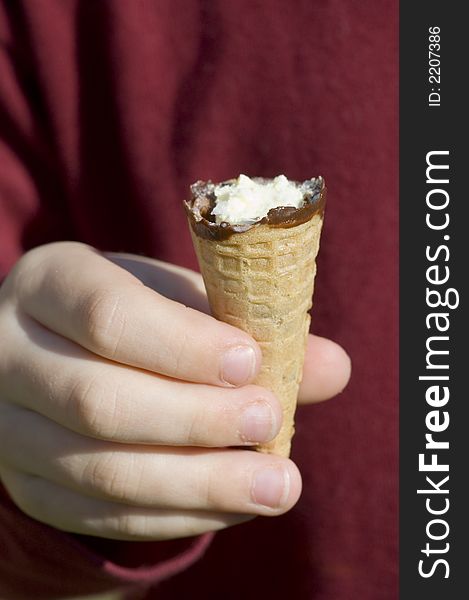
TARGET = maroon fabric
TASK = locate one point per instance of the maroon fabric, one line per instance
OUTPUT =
(108, 111)
(42, 563)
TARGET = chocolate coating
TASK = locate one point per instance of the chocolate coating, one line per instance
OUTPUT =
(199, 209)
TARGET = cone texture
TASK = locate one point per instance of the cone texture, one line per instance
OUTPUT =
(262, 281)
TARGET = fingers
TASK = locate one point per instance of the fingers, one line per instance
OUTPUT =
(73, 512)
(326, 370)
(81, 295)
(101, 399)
(177, 283)
(235, 481)
(327, 366)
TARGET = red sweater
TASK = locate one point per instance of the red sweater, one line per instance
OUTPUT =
(108, 111)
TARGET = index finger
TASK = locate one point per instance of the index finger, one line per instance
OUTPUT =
(76, 292)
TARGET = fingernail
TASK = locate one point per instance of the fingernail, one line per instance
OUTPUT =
(238, 365)
(257, 423)
(271, 487)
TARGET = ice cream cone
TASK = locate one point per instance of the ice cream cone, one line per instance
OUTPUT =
(261, 280)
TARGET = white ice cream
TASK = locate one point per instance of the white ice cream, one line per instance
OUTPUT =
(247, 201)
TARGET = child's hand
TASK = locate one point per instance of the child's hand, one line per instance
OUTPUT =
(117, 403)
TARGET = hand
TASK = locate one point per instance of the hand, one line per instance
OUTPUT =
(118, 404)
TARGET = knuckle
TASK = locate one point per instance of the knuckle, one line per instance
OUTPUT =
(21, 274)
(216, 423)
(37, 259)
(195, 434)
(104, 321)
(211, 424)
(101, 473)
(112, 476)
(98, 408)
(40, 265)
(29, 261)
(207, 488)
(81, 404)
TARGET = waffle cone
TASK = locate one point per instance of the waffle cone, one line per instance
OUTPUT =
(262, 281)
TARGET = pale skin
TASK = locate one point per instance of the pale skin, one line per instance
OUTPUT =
(120, 396)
